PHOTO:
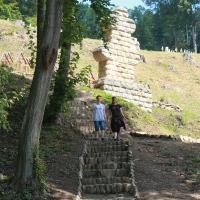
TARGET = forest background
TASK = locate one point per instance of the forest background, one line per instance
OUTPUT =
(173, 23)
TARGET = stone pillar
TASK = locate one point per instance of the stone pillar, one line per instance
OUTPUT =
(116, 64)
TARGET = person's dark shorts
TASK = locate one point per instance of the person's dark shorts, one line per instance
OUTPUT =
(99, 124)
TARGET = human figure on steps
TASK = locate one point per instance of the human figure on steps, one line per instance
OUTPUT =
(99, 117)
(117, 118)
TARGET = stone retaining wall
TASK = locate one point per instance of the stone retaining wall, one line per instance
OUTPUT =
(79, 117)
(139, 94)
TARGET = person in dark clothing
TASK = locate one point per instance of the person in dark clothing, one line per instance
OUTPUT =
(117, 118)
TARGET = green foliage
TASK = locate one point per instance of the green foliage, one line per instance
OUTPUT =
(32, 46)
(169, 153)
(28, 8)
(31, 20)
(39, 170)
(104, 17)
(22, 9)
(9, 9)
(197, 158)
(16, 90)
(166, 23)
(86, 16)
(27, 192)
(144, 30)
(55, 139)
(5, 102)
(66, 83)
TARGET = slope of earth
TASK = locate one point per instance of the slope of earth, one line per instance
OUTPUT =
(164, 169)
(174, 81)
(14, 39)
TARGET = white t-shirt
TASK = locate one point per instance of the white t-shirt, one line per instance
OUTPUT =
(98, 112)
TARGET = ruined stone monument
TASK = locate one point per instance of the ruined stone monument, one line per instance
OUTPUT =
(116, 64)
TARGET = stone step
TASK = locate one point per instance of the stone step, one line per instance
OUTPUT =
(95, 148)
(111, 165)
(99, 160)
(109, 188)
(107, 141)
(97, 173)
(107, 197)
(94, 181)
(107, 154)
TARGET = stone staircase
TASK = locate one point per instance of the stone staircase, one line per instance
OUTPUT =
(107, 168)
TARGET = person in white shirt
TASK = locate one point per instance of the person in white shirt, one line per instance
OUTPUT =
(99, 117)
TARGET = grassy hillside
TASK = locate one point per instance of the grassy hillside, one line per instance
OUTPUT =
(13, 39)
(180, 86)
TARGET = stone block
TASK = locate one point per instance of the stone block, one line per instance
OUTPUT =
(113, 188)
(132, 62)
(113, 52)
(117, 84)
(122, 18)
(114, 41)
(147, 105)
(125, 60)
(108, 188)
(127, 187)
(107, 173)
(102, 189)
(115, 32)
(120, 187)
(98, 190)
(134, 56)
(121, 53)
(125, 48)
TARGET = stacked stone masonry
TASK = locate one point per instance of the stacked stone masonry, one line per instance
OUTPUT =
(116, 64)
(80, 117)
(107, 168)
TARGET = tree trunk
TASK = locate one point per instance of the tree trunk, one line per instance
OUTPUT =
(194, 35)
(59, 95)
(40, 19)
(31, 126)
(175, 37)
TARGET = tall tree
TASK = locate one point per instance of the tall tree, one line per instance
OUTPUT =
(28, 9)
(66, 79)
(87, 16)
(144, 25)
(192, 8)
(40, 20)
(176, 16)
(63, 90)
(29, 139)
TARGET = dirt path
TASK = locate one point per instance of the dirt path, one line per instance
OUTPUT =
(166, 169)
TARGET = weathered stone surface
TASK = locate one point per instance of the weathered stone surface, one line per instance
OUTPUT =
(116, 64)
(108, 168)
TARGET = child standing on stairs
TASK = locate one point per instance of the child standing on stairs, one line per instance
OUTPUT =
(99, 117)
(117, 118)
